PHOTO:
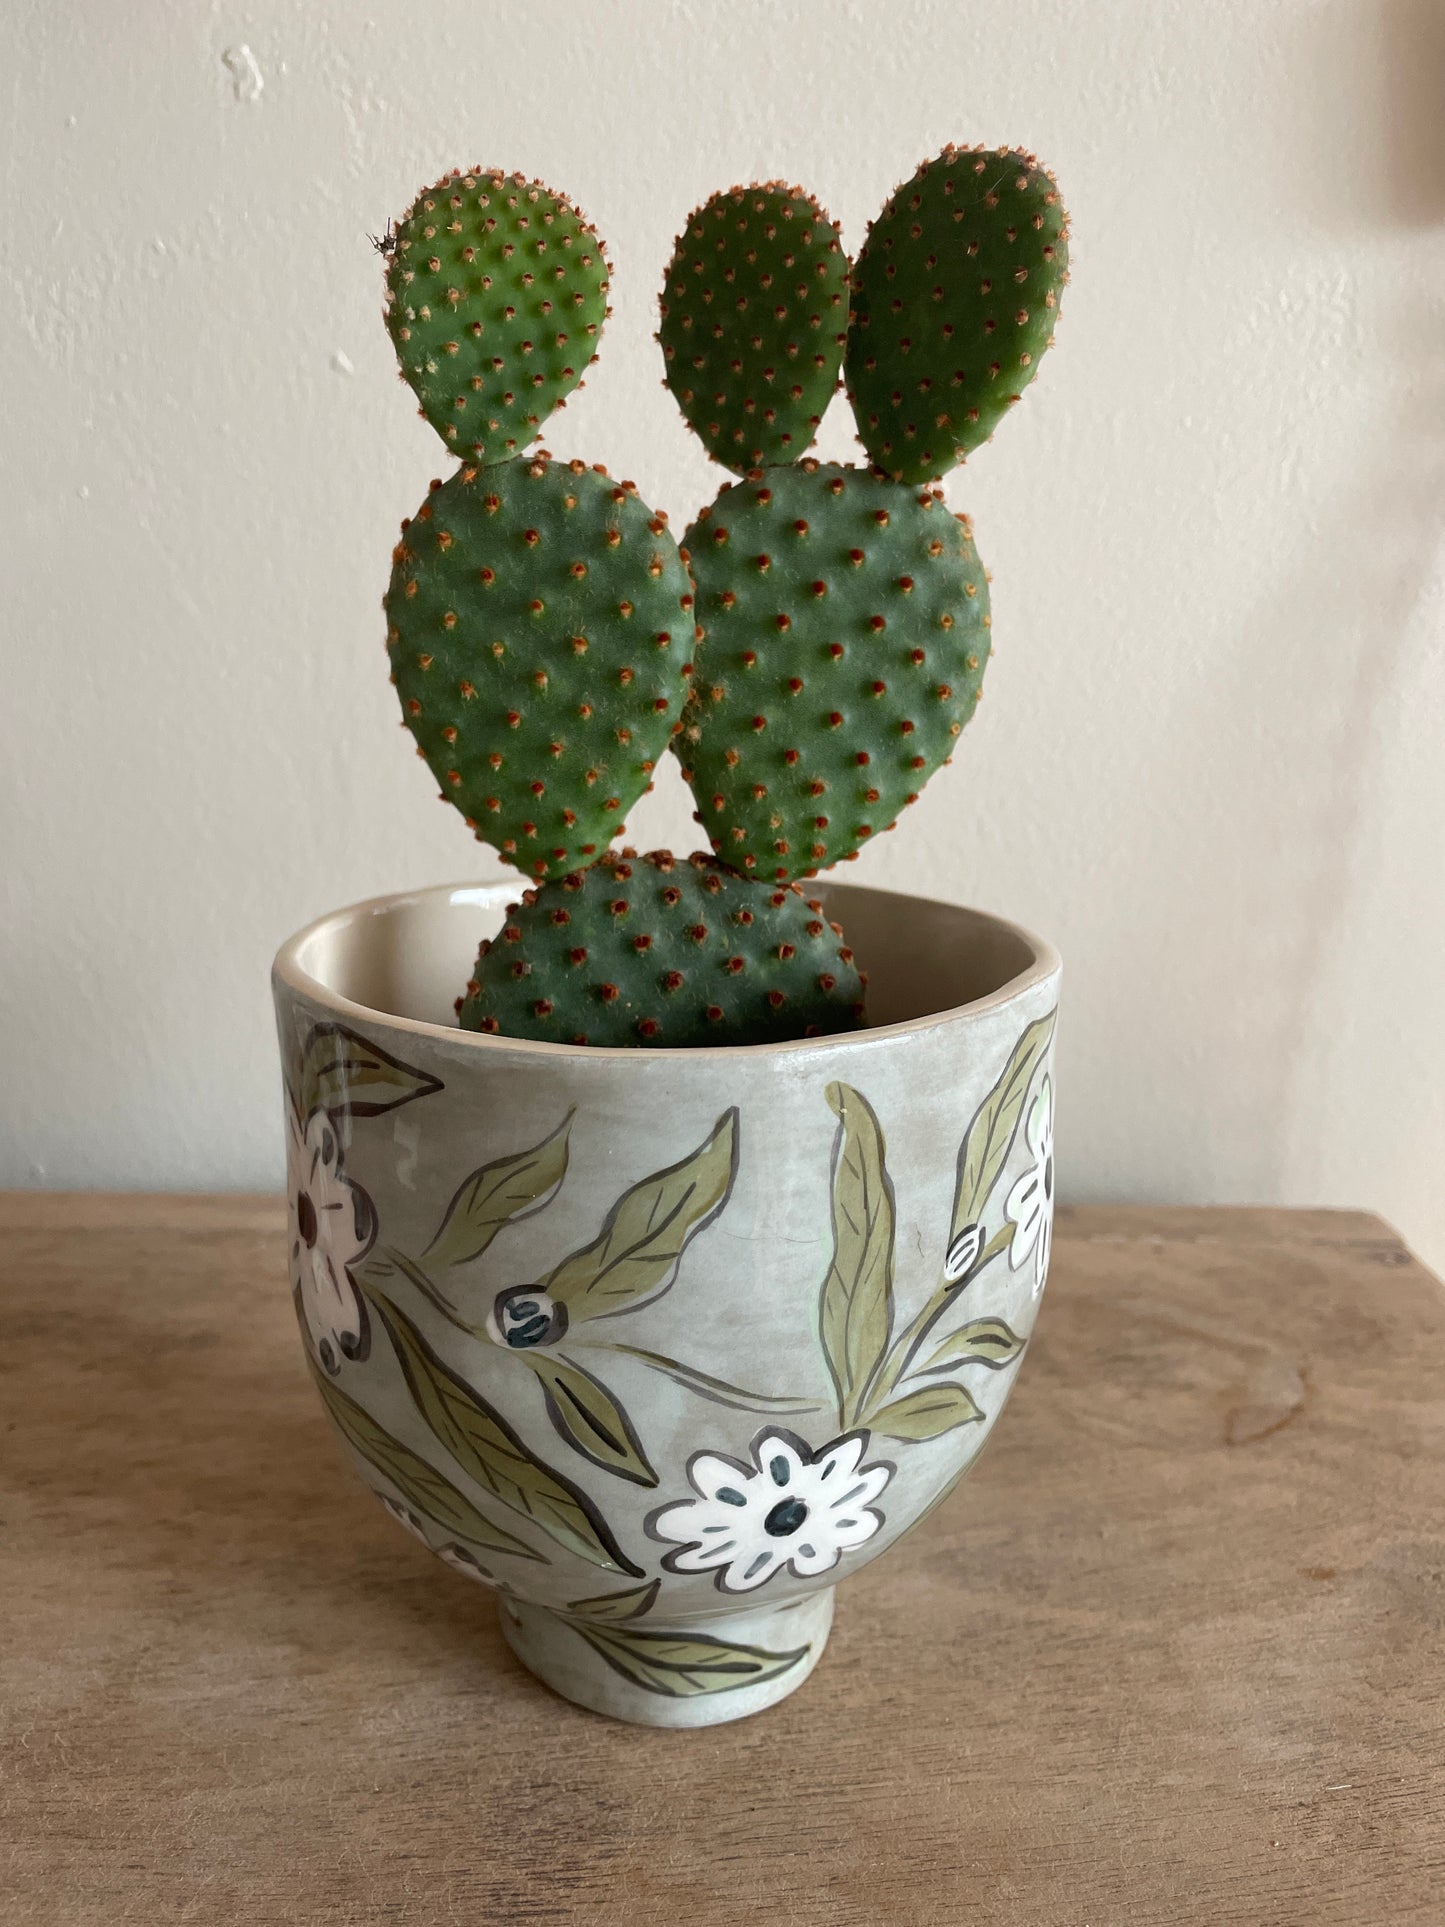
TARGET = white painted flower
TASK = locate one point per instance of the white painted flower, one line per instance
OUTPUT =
(405, 1518)
(457, 1557)
(332, 1226)
(1029, 1206)
(464, 1562)
(791, 1507)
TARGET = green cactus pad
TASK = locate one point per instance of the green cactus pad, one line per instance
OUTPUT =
(667, 952)
(954, 299)
(541, 630)
(496, 295)
(754, 318)
(847, 622)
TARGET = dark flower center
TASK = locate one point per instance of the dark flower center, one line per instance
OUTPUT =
(526, 1318)
(1049, 1177)
(306, 1219)
(785, 1518)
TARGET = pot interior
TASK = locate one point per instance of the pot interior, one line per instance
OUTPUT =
(410, 956)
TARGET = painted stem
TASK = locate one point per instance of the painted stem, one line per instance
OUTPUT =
(432, 1292)
(895, 1366)
(718, 1390)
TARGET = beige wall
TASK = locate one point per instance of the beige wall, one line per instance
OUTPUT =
(1209, 764)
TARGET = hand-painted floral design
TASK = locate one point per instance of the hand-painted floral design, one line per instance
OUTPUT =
(457, 1557)
(467, 1564)
(792, 1507)
(782, 1508)
(963, 1254)
(1029, 1206)
(525, 1316)
(632, 1261)
(331, 1225)
(406, 1519)
(877, 1371)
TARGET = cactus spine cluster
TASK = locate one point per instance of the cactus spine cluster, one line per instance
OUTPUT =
(652, 950)
(496, 294)
(954, 297)
(754, 319)
(847, 630)
(541, 637)
(813, 649)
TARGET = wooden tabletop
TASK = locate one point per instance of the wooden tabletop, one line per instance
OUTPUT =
(1175, 1652)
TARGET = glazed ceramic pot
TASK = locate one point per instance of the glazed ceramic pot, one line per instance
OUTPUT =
(661, 1345)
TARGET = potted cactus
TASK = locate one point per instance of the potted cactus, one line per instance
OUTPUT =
(664, 1265)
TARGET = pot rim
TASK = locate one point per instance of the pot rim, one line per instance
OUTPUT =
(288, 969)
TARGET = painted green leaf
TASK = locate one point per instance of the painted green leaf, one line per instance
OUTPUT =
(417, 1275)
(719, 1390)
(426, 1491)
(856, 1306)
(635, 1256)
(631, 1604)
(681, 1665)
(376, 1266)
(489, 1451)
(502, 1192)
(1000, 1241)
(344, 1072)
(986, 1145)
(589, 1418)
(290, 1037)
(983, 1341)
(927, 1413)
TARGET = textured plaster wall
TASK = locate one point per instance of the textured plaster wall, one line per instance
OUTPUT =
(1209, 763)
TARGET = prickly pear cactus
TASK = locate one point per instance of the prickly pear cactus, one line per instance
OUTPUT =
(955, 294)
(496, 295)
(754, 316)
(541, 632)
(653, 950)
(847, 623)
(543, 626)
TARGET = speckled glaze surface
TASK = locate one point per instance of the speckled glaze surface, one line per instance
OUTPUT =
(661, 1345)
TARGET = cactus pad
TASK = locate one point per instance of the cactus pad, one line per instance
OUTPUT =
(541, 630)
(496, 294)
(847, 622)
(954, 298)
(754, 315)
(664, 951)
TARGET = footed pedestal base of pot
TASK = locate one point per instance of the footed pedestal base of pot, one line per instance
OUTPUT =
(700, 1674)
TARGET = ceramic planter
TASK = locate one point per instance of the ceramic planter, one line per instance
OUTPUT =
(663, 1344)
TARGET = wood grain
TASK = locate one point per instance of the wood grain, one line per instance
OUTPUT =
(1175, 1653)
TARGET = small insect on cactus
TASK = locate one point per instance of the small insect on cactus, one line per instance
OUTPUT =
(812, 651)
